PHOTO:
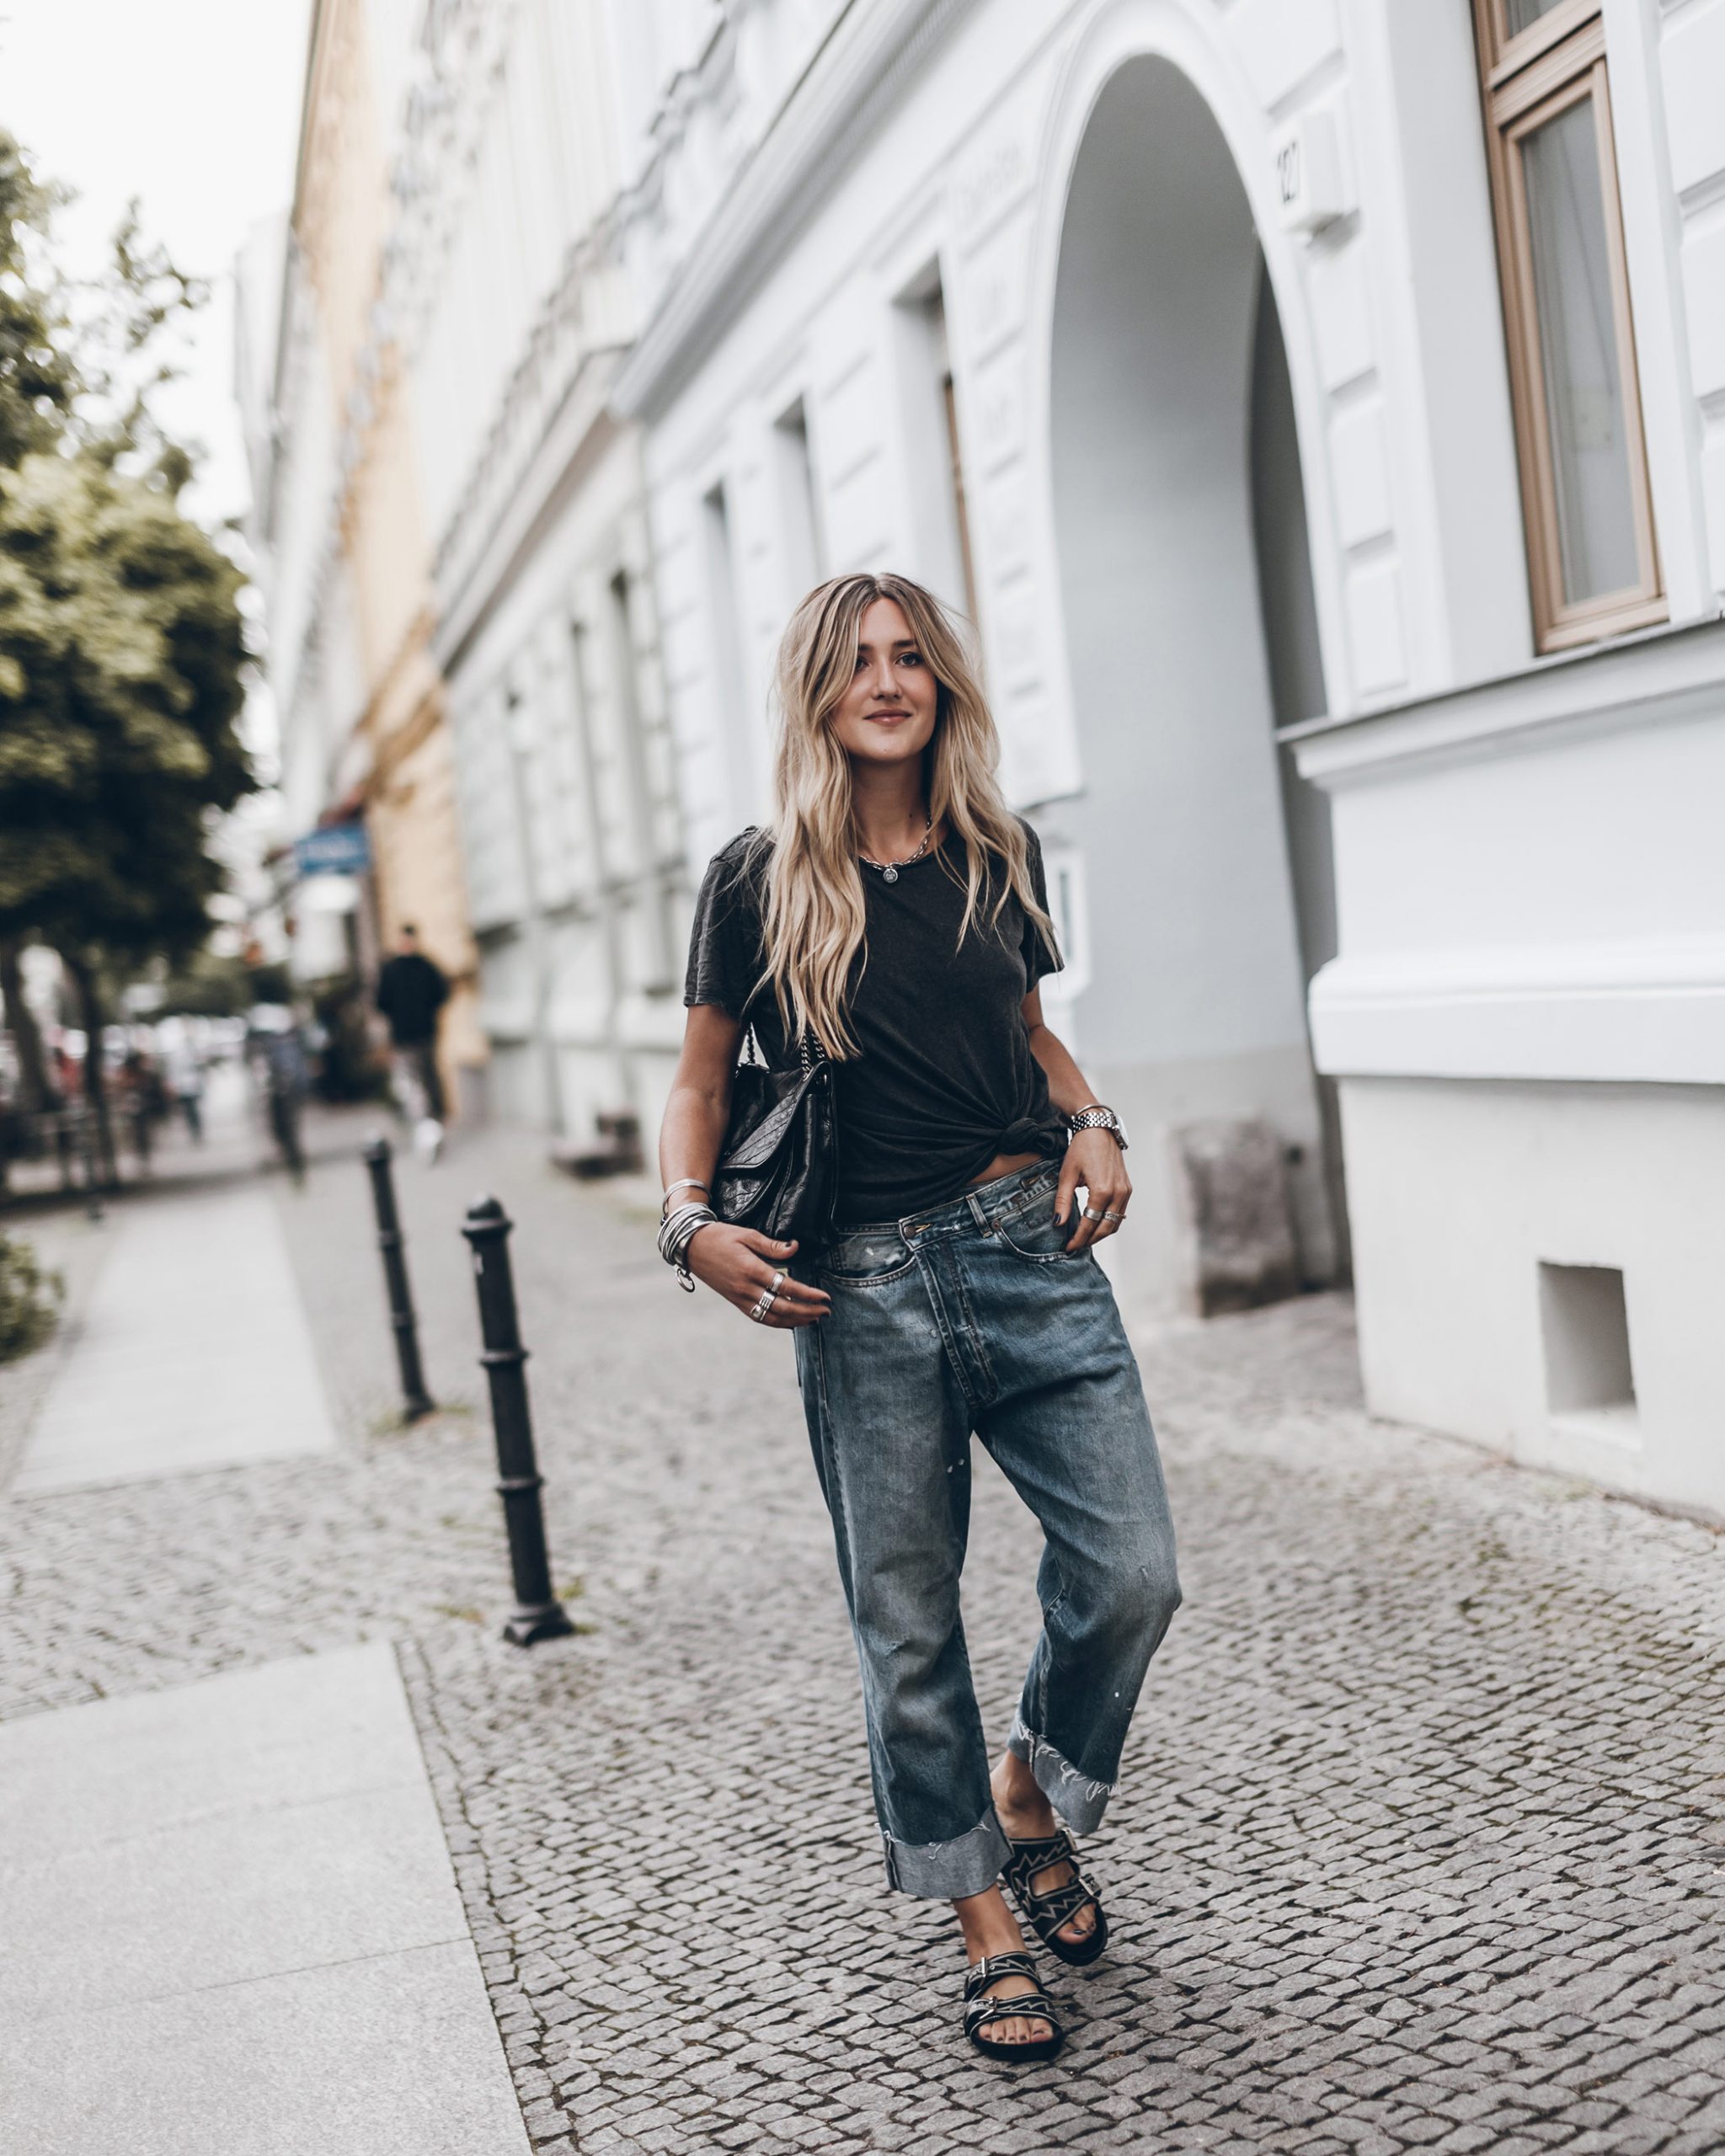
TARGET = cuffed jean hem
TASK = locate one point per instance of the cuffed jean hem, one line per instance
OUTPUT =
(1079, 1801)
(947, 1871)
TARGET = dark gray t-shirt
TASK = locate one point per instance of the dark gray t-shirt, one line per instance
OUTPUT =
(944, 1079)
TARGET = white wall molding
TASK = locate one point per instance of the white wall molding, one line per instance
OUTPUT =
(871, 55)
(1659, 677)
(547, 464)
(1648, 1012)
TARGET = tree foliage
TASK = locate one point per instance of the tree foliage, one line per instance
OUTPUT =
(122, 653)
(37, 372)
(120, 683)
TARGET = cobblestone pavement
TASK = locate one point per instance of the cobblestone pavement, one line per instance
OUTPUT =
(1421, 1842)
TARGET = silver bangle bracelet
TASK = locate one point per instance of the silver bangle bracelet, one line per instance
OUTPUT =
(677, 1231)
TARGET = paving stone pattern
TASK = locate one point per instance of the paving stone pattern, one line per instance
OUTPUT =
(1421, 1842)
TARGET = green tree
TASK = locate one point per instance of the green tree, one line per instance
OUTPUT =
(122, 651)
(37, 373)
(36, 382)
(121, 658)
(122, 665)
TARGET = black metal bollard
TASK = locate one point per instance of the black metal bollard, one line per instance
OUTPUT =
(415, 1400)
(539, 1615)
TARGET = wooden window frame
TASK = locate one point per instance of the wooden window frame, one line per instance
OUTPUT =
(1503, 54)
(961, 500)
(1528, 80)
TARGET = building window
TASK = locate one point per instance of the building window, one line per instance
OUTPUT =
(657, 952)
(940, 509)
(800, 501)
(1063, 871)
(1592, 561)
(955, 469)
(723, 603)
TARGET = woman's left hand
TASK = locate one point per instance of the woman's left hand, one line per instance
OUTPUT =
(1093, 1160)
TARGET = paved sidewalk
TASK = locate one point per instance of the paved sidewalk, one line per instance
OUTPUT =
(193, 1352)
(1421, 1838)
(232, 1930)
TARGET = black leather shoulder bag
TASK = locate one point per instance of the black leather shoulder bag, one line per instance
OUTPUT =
(778, 1166)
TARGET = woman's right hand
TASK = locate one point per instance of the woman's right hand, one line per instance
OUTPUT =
(739, 1264)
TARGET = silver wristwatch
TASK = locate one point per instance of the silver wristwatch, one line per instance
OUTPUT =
(1097, 1117)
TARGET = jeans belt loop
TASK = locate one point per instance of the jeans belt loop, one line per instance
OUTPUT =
(977, 1215)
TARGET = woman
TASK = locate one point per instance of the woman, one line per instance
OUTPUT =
(896, 911)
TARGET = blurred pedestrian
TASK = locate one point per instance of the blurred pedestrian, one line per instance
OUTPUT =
(62, 1102)
(183, 1069)
(412, 990)
(893, 917)
(142, 1102)
(274, 1041)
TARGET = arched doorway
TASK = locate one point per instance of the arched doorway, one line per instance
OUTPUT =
(1191, 634)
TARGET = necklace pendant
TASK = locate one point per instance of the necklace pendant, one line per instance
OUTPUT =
(890, 876)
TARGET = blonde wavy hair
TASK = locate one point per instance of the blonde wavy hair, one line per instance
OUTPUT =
(813, 914)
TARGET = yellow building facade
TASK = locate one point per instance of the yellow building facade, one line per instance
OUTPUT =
(389, 752)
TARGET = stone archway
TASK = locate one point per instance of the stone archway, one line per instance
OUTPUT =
(1175, 477)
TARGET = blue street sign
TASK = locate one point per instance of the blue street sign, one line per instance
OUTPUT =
(336, 850)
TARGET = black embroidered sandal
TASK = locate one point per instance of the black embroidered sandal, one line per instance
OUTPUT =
(980, 2013)
(1055, 1906)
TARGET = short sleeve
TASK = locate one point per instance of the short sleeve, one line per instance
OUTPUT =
(725, 955)
(1040, 958)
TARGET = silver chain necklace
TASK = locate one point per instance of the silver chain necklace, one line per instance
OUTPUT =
(889, 870)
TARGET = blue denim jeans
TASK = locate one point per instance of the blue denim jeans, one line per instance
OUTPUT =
(970, 1317)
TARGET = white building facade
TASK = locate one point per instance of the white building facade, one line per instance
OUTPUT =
(294, 450)
(1320, 407)
(513, 313)
(496, 313)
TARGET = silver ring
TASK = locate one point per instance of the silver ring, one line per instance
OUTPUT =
(1115, 1217)
(759, 1312)
(778, 1281)
(1090, 1213)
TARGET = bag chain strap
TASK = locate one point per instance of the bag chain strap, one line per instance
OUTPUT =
(806, 1055)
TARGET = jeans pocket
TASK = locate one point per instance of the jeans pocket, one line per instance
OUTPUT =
(1036, 1235)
